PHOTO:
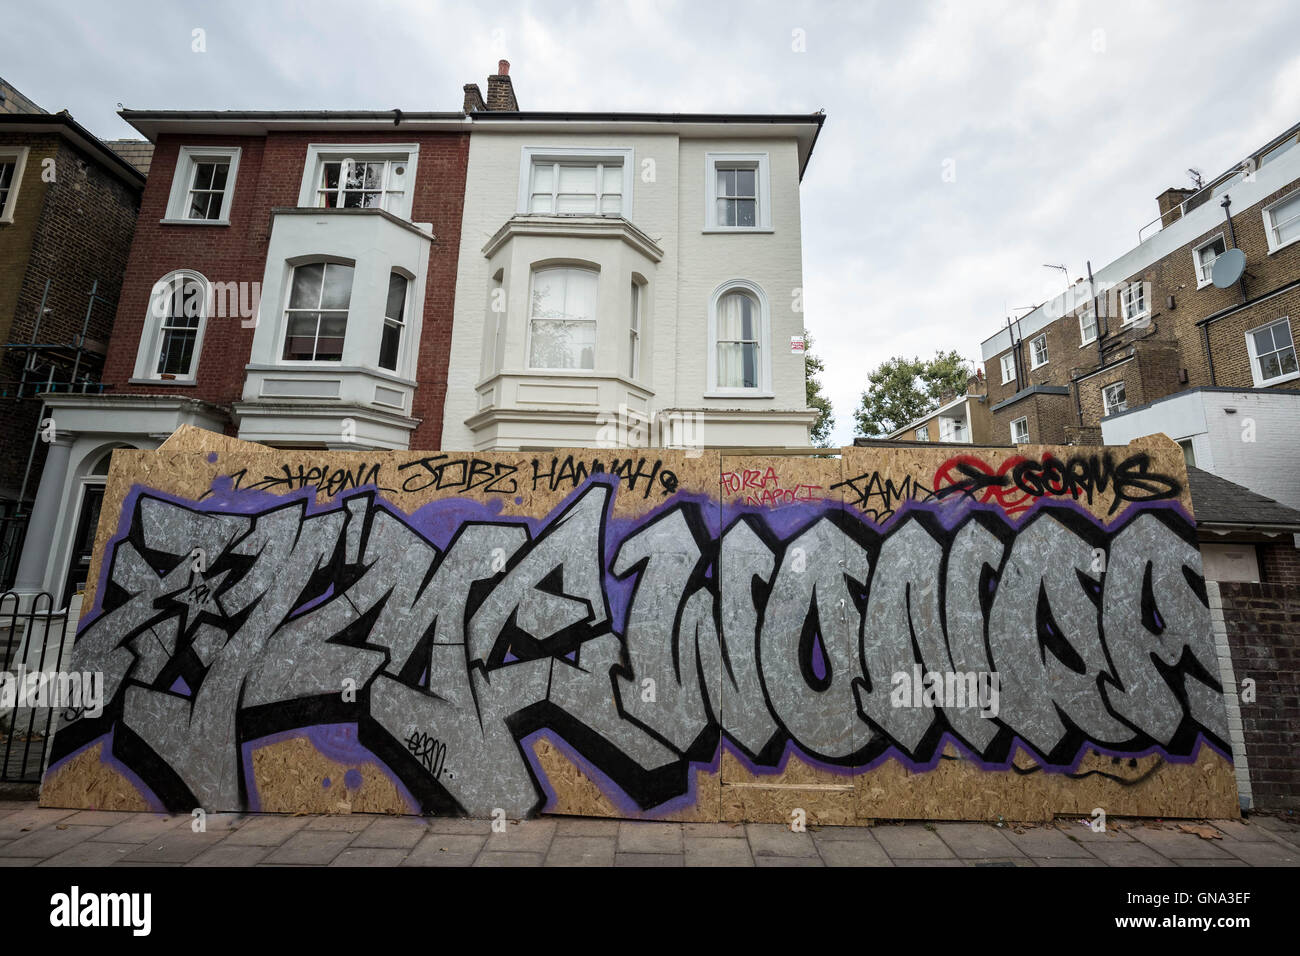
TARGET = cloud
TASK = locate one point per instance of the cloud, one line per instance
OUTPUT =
(1063, 121)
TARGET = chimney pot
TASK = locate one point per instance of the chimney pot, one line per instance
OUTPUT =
(503, 68)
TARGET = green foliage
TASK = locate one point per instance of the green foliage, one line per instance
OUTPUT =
(903, 389)
(813, 367)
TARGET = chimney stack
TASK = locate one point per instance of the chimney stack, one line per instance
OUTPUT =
(501, 93)
(1169, 201)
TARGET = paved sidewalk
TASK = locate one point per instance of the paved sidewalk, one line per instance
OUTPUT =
(30, 836)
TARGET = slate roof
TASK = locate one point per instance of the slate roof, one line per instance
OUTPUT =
(137, 152)
(1218, 501)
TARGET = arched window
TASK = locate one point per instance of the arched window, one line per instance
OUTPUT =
(562, 320)
(738, 339)
(316, 321)
(178, 313)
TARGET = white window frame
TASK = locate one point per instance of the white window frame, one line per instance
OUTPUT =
(1008, 362)
(1033, 352)
(1084, 337)
(528, 155)
(348, 323)
(1109, 407)
(1202, 280)
(18, 156)
(1255, 371)
(1125, 304)
(146, 360)
(762, 167)
(923, 433)
(178, 202)
(403, 324)
(635, 327)
(530, 318)
(1270, 227)
(318, 154)
(1021, 422)
(764, 387)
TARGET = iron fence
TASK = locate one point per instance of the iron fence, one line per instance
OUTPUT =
(35, 639)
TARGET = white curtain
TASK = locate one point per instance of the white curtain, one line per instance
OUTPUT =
(737, 341)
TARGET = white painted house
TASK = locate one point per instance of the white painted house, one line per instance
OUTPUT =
(630, 270)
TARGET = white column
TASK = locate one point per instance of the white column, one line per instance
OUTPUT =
(33, 565)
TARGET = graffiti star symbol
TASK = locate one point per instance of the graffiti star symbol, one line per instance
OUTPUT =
(197, 597)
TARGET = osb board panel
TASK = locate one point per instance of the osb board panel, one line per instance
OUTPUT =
(782, 497)
(959, 789)
(88, 781)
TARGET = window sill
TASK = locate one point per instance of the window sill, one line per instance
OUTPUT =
(193, 222)
(1091, 341)
(739, 393)
(1281, 379)
(1035, 368)
(1202, 284)
(178, 382)
(740, 230)
(1289, 242)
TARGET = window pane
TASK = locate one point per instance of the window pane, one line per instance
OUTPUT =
(1263, 341)
(611, 205)
(1287, 360)
(575, 204)
(177, 350)
(330, 176)
(541, 203)
(726, 212)
(300, 336)
(543, 177)
(388, 346)
(737, 365)
(745, 182)
(203, 175)
(561, 344)
(219, 172)
(329, 342)
(746, 210)
(306, 286)
(396, 297)
(337, 290)
(726, 182)
(1282, 334)
(577, 179)
(612, 181)
(1269, 366)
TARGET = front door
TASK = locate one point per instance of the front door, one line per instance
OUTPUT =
(83, 544)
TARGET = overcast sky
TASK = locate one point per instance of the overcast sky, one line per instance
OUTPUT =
(1058, 123)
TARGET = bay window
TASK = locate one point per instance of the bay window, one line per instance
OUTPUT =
(562, 320)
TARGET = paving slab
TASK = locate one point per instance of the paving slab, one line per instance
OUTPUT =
(48, 841)
(225, 854)
(722, 831)
(446, 849)
(20, 861)
(788, 861)
(1231, 861)
(976, 840)
(179, 846)
(370, 856)
(777, 839)
(30, 818)
(526, 836)
(1047, 843)
(1068, 861)
(142, 828)
(269, 830)
(91, 853)
(826, 834)
(1128, 853)
(345, 822)
(1265, 854)
(649, 859)
(392, 833)
(508, 858)
(99, 818)
(839, 852)
(310, 848)
(585, 826)
(911, 843)
(717, 851)
(582, 851)
(637, 837)
(458, 825)
(1179, 844)
(1242, 831)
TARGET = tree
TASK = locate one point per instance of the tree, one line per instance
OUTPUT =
(813, 367)
(902, 389)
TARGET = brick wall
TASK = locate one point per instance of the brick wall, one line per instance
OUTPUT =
(270, 174)
(1048, 417)
(1263, 628)
(73, 230)
(1279, 563)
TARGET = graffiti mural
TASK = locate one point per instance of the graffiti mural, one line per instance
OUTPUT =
(636, 634)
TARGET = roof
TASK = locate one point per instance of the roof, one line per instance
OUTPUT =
(1217, 501)
(1194, 223)
(959, 400)
(79, 136)
(12, 100)
(137, 152)
(803, 127)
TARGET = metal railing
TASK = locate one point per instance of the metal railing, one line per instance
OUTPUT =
(35, 638)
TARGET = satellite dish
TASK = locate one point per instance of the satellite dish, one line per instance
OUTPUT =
(1228, 268)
